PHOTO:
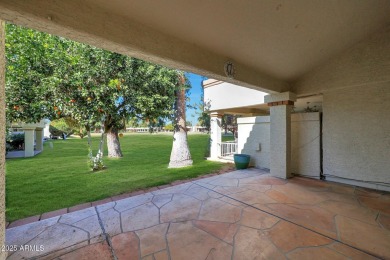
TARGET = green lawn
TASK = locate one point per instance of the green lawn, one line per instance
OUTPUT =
(226, 138)
(59, 177)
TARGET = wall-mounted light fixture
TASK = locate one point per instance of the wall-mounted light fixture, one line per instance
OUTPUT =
(259, 148)
(229, 69)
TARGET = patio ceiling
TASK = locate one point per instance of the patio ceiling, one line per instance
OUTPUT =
(284, 39)
(272, 43)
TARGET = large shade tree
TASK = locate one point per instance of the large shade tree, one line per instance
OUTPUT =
(203, 115)
(110, 88)
(32, 59)
(49, 76)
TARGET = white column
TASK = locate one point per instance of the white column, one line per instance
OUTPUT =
(39, 139)
(280, 136)
(215, 135)
(29, 142)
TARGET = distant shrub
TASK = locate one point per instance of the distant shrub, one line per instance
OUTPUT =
(169, 127)
(14, 142)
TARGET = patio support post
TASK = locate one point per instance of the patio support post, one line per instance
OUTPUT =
(3, 254)
(39, 139)
(28, 142)
(280, 137)
(215, 135)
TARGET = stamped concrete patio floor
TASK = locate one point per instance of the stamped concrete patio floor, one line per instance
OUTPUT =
(243, 214)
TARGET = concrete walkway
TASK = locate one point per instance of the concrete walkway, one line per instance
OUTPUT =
(19, 154)
(239, 215)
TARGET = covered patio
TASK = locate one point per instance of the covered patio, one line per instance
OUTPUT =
(244, 214)
(289, 49)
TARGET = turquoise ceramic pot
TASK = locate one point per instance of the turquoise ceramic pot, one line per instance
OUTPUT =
(241, 161)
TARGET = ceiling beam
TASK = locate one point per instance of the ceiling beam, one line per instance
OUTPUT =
(83, 22)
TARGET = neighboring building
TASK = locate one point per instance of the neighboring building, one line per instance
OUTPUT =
(197, 129)
(33, 138)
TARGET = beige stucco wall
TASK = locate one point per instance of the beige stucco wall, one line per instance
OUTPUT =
(305, 144)
(357, 134)
(363, 64)
(254, 132)
(356, 121)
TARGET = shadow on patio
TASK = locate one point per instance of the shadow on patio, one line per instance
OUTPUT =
(239, 215)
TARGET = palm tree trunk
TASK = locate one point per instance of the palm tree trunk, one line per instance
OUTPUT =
(180, 155)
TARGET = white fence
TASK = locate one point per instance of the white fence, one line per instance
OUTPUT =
(228, 148)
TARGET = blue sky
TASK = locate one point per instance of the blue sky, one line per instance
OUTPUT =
(195, 96)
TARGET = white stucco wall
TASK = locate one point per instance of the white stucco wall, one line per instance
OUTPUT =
(254, 132)
(357, 134)
(226, 96)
